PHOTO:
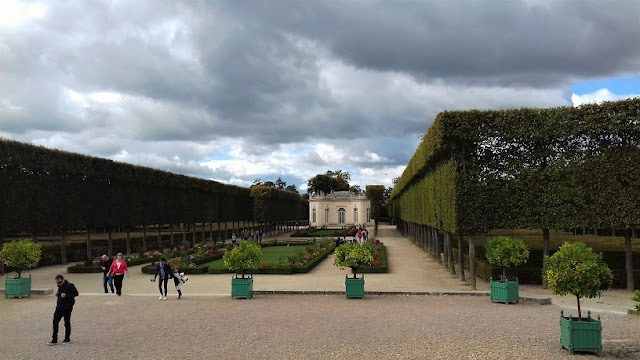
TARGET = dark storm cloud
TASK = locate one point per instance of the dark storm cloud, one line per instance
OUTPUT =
(503, 42)
(366, 77)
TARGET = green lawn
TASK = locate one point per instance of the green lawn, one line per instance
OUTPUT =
(271, 254)
(324, 232)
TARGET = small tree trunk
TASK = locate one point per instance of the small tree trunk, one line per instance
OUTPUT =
(472, 263)
(193, 241)
(144, 238)
(159, 237)
(109, 241)
(89, 257)
(171, 235)
(184, 234)
(460, 256)
(579, 312)
(629, 259)
(545, 252)
(63, 247)
(128, 241)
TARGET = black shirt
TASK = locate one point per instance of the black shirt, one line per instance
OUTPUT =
(67, 302)
(106, 264)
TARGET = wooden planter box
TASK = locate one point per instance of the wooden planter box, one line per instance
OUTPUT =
(506, 292)
(242, 288)
(354, 288)
(17, 287)
(583, 335)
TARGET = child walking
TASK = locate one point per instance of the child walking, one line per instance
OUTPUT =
(179, 279)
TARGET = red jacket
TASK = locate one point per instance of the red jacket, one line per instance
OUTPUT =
(118, 271)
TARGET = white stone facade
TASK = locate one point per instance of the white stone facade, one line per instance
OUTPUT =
(339, 209)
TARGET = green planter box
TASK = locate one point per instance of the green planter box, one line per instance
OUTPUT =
(506, 292)
(584, 335)
(242, 288)
(354, 288)
(17, 287)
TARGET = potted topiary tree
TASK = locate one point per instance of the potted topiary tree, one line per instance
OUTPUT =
(575, 269)
(353, 255)
(22, 255)
(505, 252)
(244, 257)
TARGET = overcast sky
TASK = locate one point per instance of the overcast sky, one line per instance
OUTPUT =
(238, 90)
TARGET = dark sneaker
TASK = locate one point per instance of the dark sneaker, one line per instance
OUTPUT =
(65, 342)
(51, 343)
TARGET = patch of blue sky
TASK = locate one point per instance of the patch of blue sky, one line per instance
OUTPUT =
(621, 85)
(222, 154)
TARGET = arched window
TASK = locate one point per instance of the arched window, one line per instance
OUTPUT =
(314, 215)
(368, 215)
(355, 215)
(341, 216)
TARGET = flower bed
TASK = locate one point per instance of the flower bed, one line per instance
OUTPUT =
(379, 261)
(302, 262)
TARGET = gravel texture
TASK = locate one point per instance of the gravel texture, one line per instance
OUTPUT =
(208, 323)
(300, 327)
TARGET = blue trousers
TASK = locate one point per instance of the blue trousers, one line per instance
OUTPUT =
(107, 280)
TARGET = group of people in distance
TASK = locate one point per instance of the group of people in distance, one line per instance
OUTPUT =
(361, 236)
(246, 235)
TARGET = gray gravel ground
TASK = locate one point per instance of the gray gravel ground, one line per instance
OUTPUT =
(208, 323)
(300, 327)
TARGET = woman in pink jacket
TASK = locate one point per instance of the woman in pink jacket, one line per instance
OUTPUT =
(118, 270)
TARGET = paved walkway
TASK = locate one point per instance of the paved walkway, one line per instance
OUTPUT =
(411, 270)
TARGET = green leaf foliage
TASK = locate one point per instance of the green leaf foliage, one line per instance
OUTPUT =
(353, 255)
(552, 168)
(244, 257)
(21, 254)
(575, 269)
(506, 252)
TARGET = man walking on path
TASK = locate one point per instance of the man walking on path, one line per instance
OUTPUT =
(66, 295)
(105, 265)
(164, 270)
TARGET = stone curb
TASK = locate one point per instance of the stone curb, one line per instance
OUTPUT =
(540, 301)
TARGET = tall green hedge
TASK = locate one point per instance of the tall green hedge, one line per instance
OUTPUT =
(45, 190)
(527, 168)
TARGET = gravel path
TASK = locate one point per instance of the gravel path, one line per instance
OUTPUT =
(299, 327)
(208, 323)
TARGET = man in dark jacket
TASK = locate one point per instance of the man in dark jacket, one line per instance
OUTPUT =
(163, 269)
(105, 264)
(66, 295)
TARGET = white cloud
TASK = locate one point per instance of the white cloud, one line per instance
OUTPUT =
(15, 13)
(599, 96)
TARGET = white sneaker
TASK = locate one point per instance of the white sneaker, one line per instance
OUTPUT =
(160, 298)
(164, 298)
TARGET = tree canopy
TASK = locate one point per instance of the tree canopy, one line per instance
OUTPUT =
(337, 180)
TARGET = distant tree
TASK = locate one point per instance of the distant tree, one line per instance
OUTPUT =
(395, 180)
(280, 184)
(292, 188)
(330, 181)
(386, 194)
(269, 184)
(355, 189)
(257, 182)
